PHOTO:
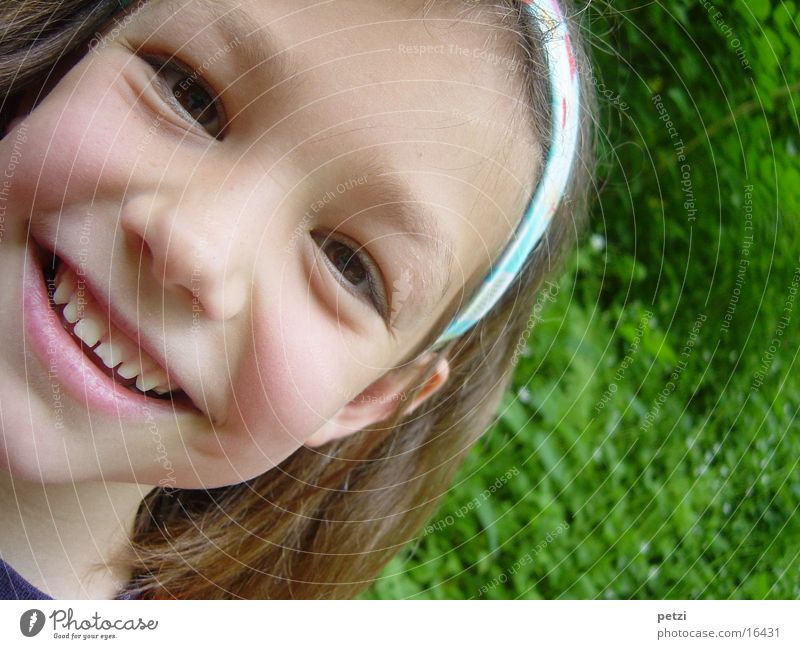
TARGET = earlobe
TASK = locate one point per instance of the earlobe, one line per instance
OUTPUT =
(434, 383)
(380, 400)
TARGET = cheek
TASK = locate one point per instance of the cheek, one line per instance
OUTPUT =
(294, 376)
(70, 136)
(289, 382)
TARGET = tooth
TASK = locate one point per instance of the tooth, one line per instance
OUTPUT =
(150, 379)
(135, 360)
(110, 353)
(91, 328)
(129, 369)
(65, 288)
(164, 388)
(129, 350)
(71, 311)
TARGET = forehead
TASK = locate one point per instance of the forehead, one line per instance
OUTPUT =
(405, 91)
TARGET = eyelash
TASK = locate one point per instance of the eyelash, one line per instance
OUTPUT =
(377, 294)
(164, 65)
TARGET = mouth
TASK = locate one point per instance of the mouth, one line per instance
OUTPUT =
(103, 343)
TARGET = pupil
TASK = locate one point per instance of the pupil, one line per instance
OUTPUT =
(349, 270)
(194, 99)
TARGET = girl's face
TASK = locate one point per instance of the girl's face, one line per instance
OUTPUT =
(268, 222)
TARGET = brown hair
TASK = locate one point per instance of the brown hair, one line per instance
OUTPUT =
(326, 521)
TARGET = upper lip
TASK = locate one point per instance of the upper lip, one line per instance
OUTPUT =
(121, 322)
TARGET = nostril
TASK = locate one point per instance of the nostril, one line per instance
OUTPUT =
(145, 262)
(140, 249)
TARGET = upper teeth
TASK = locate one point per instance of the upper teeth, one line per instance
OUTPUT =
(93, 327)
(65, 288)
(90, 329)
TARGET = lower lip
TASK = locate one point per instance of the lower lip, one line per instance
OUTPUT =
(66, 362)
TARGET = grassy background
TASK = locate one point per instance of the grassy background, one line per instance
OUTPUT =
(610, 481)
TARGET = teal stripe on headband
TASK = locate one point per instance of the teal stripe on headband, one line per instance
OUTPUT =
(547, 15)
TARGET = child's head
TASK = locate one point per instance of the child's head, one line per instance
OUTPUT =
(282, 205)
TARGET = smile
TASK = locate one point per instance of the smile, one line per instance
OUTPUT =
(80, 345)
(105, 344)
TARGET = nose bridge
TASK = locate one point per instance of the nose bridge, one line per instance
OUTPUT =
(189, 237)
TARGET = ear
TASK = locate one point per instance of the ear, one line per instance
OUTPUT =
(382, 398)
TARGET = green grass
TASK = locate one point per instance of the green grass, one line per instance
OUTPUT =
(649, 489)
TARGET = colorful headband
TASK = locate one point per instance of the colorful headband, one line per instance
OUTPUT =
(565, 95)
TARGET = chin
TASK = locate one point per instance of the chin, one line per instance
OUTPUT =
(28, 456)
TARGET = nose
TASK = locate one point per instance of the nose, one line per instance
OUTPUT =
(190, 246)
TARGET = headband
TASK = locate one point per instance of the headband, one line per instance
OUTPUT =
(564, 88)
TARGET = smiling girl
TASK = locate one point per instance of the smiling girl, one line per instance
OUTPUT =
(265, 269)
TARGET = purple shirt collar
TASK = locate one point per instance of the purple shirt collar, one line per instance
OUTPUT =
(15, 586)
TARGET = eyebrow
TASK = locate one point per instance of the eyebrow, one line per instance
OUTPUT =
(398, 208)
(237, 24)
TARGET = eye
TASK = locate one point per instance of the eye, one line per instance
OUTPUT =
(188, 94)
(358, 272)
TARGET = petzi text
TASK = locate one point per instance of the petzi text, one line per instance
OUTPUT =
(674, 617)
